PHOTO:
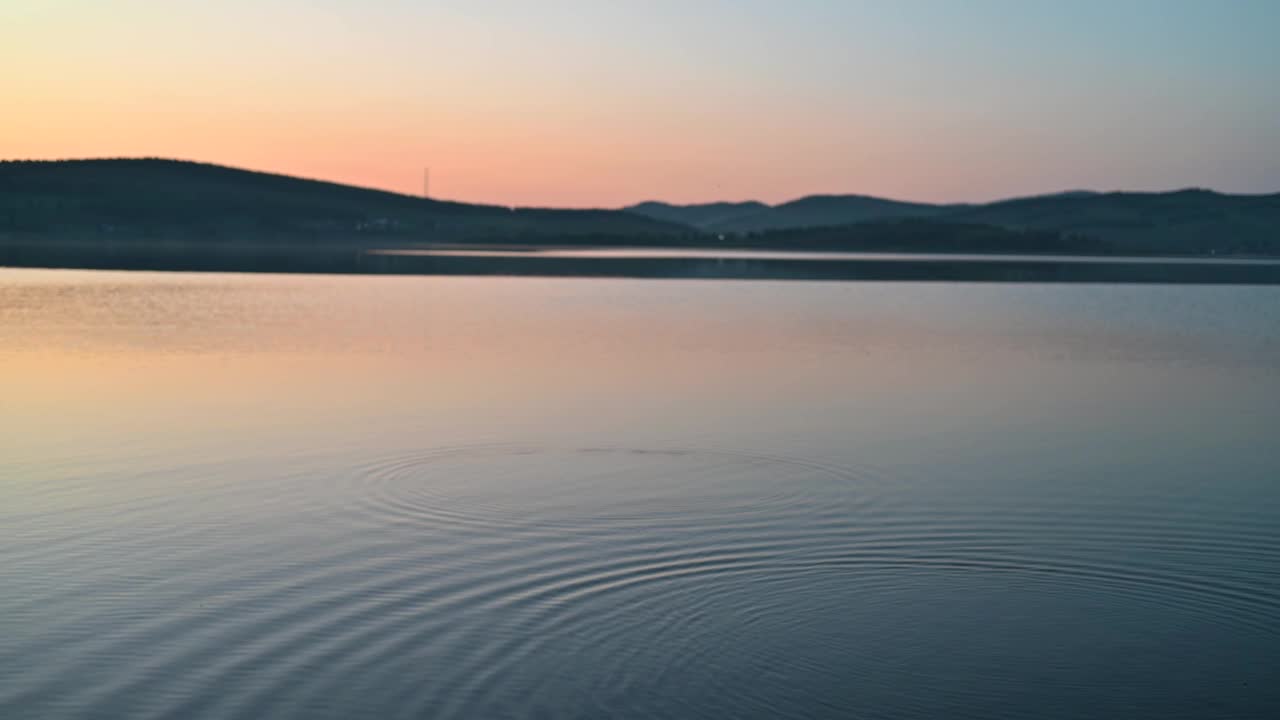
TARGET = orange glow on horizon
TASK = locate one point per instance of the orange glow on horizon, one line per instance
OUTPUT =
(609, 104)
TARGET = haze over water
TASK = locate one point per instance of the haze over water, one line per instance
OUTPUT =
(227, 496)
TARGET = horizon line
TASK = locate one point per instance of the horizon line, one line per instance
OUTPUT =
(1029, 196)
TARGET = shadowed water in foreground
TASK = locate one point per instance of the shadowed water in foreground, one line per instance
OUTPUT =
(242, 496)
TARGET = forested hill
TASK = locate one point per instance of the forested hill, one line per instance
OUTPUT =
(1179, 222)
(1184, 221)
(153, 200)
(187, 201)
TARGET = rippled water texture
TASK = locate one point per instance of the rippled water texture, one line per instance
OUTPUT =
(314, 497)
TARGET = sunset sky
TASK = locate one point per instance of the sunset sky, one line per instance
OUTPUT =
(592, 103)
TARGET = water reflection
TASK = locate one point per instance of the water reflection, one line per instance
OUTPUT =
(247, 496)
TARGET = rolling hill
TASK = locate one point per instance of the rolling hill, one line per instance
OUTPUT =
(1183, 221)
(811, 211)
(707, 216)
(153, 198)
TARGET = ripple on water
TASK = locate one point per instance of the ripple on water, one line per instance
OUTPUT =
(506, 485)
(510, 580)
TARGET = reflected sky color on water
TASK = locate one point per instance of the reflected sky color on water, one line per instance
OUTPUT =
(227, 496)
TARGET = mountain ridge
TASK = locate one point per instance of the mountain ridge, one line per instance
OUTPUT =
(1185, 220)
(159, 196)
(152, 200)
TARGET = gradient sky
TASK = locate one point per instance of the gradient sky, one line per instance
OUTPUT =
(591, 103)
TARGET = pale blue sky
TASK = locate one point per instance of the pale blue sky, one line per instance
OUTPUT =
(575, 102)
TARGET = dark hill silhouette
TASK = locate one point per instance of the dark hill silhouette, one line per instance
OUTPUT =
(92, 202)
(821, 210)
(1193, 221)
(1179, 222)
(195, 201)
(811, 211)
(704, 216)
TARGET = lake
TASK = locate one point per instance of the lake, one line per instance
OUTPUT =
(293, 496)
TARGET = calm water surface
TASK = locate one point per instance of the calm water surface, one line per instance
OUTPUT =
(229, 496)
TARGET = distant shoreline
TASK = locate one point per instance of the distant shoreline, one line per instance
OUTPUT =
(114, 203)
(353, 259)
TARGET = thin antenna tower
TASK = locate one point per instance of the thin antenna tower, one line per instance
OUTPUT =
(426, 182)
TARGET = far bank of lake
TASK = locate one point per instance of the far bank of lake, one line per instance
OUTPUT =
(620, 262)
